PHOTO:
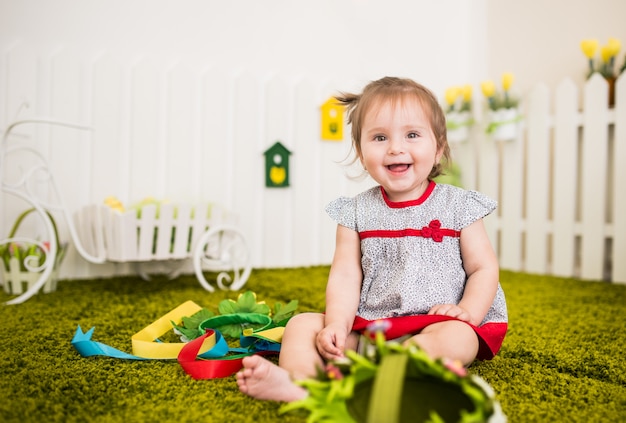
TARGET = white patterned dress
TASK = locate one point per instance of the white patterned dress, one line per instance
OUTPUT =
(411, 257)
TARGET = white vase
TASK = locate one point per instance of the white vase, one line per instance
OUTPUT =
(504, 124)
(458, 124)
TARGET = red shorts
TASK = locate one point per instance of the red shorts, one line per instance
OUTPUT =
(490, 335)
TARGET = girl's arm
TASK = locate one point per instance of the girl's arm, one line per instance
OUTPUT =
(343, 292)
(481, 266)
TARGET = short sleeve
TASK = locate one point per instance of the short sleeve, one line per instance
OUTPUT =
(477, 206)
(343, 211)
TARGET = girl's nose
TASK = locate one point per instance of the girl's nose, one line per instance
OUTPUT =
(395, 146)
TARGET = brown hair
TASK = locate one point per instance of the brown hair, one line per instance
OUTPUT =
(392, 88)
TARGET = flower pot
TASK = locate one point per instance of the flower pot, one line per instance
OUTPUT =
(17, 281)
(504, 124)
(22, 261)
(458, 124)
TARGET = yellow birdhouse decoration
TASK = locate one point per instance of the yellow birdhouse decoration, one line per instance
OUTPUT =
(332, 120)
(277, 166)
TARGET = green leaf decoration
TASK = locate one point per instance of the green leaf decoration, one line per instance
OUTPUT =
(235, 330)
(246, 303)
(190, 326)
(282, 313)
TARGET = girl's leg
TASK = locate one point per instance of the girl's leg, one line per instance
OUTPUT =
(298, 352)
(450, 339)
(298, 359)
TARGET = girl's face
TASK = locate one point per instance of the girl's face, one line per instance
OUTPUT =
(398, 148)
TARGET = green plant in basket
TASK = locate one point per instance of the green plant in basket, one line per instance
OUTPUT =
(29, 255)
(23, 252)
(393, 383)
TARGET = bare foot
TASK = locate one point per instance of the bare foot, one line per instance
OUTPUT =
(264, 380)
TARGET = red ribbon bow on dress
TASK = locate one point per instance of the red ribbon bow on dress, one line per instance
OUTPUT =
(433, 230)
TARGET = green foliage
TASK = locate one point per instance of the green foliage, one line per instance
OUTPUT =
(246, 303)
(562, 360)
(190, 327)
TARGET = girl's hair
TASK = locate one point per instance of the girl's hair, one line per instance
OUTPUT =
(396, 89)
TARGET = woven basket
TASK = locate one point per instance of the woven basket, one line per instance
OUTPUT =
(400, 393)
(16, 278)
(388, 382)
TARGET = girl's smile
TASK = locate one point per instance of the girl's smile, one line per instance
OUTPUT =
(398, 168)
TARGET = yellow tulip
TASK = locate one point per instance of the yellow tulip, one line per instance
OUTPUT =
(606, 52)
(615, 45)
(589, 47)
(466, 92)
(451, 95)
(110, 200)
(488, 88)
(507, 80)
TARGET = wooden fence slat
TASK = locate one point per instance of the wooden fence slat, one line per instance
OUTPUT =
(109, 165)
(146, 227)
(180, 242)
(511, 203)
(564, 185)
(247, 171)
(488, 180)
(216, 174)
(24, 71)
(593, 177)
(147, 133)
(333, 181)
(163, 236)
(203, 213)
(181, 167)
(464, 156)
(619, 188)
(66, 87)
(306, 203)
(277, 214)
(537, 179)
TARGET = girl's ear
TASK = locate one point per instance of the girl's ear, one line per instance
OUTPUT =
(439, 155)
(359, 154)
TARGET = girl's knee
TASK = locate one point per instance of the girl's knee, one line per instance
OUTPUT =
(450, 339)
(306, 321)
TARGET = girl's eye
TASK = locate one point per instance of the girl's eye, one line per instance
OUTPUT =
(380, 138)
(413, 135)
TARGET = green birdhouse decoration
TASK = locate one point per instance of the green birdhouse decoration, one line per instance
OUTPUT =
(277, 166)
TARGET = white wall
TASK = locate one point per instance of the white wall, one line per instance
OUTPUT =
(161, 77)
(539, 40)
(354, 39)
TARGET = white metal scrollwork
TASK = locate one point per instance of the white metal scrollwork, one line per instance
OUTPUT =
(24, 187)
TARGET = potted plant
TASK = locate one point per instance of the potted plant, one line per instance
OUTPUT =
(389, 382)
(503, 112)
(606, 66)
(458, 112)
(22, 261)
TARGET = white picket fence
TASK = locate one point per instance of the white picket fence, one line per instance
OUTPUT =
(560, 183)
(197, 135)
(163, 232)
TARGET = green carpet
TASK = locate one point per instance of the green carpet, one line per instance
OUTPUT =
(562, 361)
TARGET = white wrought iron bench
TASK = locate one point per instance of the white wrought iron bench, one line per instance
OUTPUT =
(203, 233)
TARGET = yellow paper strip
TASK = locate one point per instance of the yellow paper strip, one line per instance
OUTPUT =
(144, 344)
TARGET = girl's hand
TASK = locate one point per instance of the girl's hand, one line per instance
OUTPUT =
(331, 342)
(451, 310)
